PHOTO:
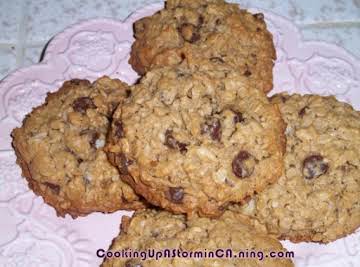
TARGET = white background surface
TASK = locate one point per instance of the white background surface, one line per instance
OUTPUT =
(27, 25)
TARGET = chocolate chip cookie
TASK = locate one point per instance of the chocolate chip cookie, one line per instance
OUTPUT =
(205, 33)
(318, 197)
(160, 230)
(60, 149)
(194, 142)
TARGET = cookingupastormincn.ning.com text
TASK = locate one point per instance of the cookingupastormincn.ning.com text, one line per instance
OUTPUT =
(220, 253)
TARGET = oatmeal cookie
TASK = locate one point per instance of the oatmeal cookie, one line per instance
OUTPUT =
(60, 149)
(205, 33)
(194, 142)
(318, 197)
(159, 230)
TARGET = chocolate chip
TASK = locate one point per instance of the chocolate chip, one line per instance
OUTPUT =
(53, 187)
(284, 99)
(243, 164)
(176, 194)
(128, 93)
(216, 60)
(314, 166)
(212, 126)
(93, 138)
(75, 81)
(155, 233)
(189, 32)
(200, 20)
(302, 111)
(122, 162)
(181, 74)
(238, 117)
(194, 38)
(247, 73)
(172, 143)
(132, 263)
(348, 167)
(118, 129)
(259, 16)
(82, 104)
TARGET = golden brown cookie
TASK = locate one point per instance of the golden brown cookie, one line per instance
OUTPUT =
(318, 197)
(205, 33)
(60, 149)
(195, 142)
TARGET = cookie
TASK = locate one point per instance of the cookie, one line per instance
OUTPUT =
(205, 34)
(194, 142)
(60, 149)
(160, 230)
(318, 197)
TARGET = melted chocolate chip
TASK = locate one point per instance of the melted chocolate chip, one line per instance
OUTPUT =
(195, 37)
(182, 55)
(176, 194)
(302, 111)
(119, 129)
(238, 117)
(243, 164)
(314, 166)
(189, 32)
(122, 163)
(82, 104)
(172, 143)
(212, 126)
(54, 187)
(247, 73)
(200, 20)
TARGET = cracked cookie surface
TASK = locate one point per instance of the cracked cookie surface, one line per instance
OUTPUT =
(60, 149)
(195, 142)
(318, 198)
(206, 34)
(158, 230)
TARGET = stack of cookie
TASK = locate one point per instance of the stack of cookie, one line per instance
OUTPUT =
(196, 146)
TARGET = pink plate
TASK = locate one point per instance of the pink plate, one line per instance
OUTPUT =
(30, 233)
